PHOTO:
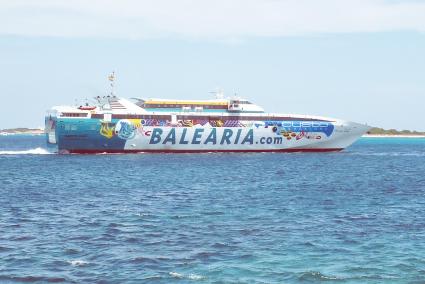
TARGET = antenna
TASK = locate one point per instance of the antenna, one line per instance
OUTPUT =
(219, 93)
(111, 78)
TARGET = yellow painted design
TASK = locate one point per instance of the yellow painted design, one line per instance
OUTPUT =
(136, 122)
(106, 130)
(186, 103)
(187, 123)
(219, 123)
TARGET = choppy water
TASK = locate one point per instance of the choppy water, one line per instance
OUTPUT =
(352, 217)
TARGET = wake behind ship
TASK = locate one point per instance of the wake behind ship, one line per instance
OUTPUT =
(118, 125)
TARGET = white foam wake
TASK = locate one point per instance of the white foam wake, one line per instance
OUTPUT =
(35, 151)
(78, 262)
(188, 276)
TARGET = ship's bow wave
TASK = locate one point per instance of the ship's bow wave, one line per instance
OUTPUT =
(34, 151)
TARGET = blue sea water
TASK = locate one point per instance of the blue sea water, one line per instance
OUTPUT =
(357, 216)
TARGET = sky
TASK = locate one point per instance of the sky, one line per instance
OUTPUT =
(360, 60)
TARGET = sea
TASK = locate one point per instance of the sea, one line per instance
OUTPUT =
(357, 216)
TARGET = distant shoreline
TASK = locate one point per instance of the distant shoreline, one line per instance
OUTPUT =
(381, 132)
(21, 131)
(392, 136)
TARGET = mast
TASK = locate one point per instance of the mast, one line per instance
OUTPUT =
(218, 93)
(111, 78)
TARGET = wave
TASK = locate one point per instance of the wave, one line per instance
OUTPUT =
(391, 154)
(317, 276)
(31, 279)
(77, 262)
(188, 276)
(35, 151)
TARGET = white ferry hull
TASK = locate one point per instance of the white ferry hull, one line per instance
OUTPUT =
(242, 140)
(129, 136)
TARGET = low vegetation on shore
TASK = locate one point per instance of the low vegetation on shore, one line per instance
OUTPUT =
(381, 131)
(22, 130)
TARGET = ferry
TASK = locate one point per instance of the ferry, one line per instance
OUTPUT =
(117, 125)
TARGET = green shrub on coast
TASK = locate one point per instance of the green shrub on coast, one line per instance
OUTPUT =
(22, 130)
(381, 131)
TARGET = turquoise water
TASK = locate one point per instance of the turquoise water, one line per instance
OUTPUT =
(357, 216)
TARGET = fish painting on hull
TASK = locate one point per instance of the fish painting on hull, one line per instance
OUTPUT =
(124, 128)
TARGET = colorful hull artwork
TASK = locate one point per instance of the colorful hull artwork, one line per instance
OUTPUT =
(93, 135)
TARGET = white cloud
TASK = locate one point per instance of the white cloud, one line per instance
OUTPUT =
(218, 19)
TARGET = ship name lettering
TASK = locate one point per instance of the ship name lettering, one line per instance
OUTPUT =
(156, 137)
(212, 137)
(182, 141)
(226, 136)
(171, 137)
(197, 136)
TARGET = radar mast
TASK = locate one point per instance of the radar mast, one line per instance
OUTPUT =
(219, 93)
(111, 78)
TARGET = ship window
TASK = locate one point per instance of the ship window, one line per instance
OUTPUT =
(245, 103)
(72, 114)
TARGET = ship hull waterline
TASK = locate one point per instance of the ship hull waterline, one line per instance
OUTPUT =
(124, 136)
(112, 151)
